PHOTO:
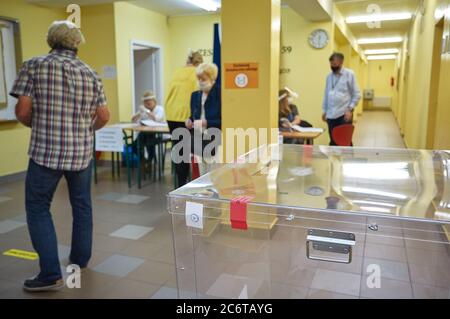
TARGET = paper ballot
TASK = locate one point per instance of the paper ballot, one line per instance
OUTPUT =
(151, 123)
(307, 129)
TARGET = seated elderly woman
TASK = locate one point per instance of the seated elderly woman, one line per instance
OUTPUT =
(206, 110)
(149, 110)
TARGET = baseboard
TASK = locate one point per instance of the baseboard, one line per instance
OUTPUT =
(13, 177)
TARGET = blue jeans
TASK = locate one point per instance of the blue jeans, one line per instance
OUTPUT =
(40, 186)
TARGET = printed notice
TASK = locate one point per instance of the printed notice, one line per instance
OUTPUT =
(194, 215)
(109, 139)
(241, 75)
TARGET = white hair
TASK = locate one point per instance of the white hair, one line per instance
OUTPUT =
(64, 34)
(209, 69)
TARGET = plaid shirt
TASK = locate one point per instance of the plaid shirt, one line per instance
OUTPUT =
(65, 93)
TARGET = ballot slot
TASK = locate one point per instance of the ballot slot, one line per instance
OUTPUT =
(331, 246)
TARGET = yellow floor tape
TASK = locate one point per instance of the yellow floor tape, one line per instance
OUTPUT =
(29, 255)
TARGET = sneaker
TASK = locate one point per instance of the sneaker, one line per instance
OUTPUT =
(36, 285)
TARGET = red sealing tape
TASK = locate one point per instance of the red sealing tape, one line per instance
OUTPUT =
(238, 212)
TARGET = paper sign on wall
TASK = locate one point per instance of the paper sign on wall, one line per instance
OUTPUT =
(109, 139)
(241, 75)
(194, 215)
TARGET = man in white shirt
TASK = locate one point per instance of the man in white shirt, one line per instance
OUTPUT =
(342, 95)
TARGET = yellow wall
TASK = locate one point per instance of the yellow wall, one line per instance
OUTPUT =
(97, 25)
(190, 32)
(34, 22)
(380, 73)
(135, 23)
(415, 103)
(442, 129)
(309, 67)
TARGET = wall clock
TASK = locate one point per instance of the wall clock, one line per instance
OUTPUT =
(318, 39)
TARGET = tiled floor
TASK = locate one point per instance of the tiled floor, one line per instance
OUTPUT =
(133, 255)
(378, 129)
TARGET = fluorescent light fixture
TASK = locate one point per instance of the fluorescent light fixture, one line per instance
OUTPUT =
(366, 202)
(379, 17)
(382, 57)
(376, 171)
(375, 209)
(373, 192)
(380, 40)
(382, 51)
(208, 5)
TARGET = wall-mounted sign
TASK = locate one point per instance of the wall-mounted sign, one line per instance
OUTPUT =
(109, 72)
(241, 75)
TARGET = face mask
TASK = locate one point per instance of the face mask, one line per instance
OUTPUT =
(290, 100)
(205, 86)
(335, 68)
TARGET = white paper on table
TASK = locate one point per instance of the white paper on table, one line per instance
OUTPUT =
(307, 129)
(194, 215)
(152, 123)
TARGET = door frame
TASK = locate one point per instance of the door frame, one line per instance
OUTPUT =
(159, 68)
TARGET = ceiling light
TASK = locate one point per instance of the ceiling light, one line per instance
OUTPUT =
(208, 5)
(382, 51)
(384, 171)
(382, 57)
(374, 192)
(380, 40)
(374, 203)
(379, 17)
(375, 209)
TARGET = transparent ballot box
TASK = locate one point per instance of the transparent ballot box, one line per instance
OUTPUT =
(292, 221)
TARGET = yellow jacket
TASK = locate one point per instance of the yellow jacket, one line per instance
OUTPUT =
(178, 101)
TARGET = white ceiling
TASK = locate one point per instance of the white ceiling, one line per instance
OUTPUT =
(387, 29)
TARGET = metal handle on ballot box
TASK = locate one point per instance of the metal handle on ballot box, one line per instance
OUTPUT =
(337, 243)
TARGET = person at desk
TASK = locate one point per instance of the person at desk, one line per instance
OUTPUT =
(177, 106)
(289, 115)
(206, 111)
(149, 110)
(341, 96)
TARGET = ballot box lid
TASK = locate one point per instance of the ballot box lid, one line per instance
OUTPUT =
(355, 185)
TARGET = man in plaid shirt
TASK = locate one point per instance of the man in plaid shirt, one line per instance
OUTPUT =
(61, 98)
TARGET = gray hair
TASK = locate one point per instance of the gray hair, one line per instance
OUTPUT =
(64, 35)
(209, 69)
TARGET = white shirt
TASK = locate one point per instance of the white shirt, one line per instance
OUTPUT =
(158, 113)
(342, 94)
(204, 97)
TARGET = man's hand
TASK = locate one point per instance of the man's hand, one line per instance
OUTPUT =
(324, 117)
(348, 116)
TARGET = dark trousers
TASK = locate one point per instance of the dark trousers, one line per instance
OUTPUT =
(40, 186)
(181, 169)
(332, 123)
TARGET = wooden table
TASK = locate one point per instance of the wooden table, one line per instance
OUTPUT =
(307, 136)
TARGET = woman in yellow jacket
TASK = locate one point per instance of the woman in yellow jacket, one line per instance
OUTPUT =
(177, 105)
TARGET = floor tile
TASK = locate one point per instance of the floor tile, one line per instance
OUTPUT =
(389, 269)
(153, 273)
(334, 281)
(389, 289)
(132, 199)
(9, 225)
(118, 265)
(111, 196)
(324, 294)
(131, 232)
(5, 199)
(430, 292)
